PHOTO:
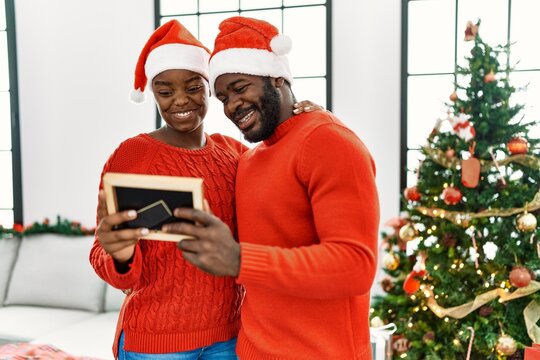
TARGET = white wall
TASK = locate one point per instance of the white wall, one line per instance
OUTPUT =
(76, 60)
(366, 80)
(366, 87)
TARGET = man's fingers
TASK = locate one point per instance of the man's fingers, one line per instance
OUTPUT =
(192, 258)
(182, 228)
(198, 216)
(189, 245)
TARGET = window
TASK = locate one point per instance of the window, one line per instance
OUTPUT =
(309, 59)
(433, 32)
(10, 161)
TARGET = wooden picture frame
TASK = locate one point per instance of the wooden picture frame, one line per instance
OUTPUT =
(154, 197)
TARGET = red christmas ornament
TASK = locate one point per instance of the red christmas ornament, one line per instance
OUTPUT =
(520, 276)
(429, 336)
(451, 195)
(450, 153)
(411, 283)
(470, 172)
(517, 145)
(485, 311)
(412, 194)
(387, 284)
(453, 97)
(448, 240)
(470, 169)
(490, 77)
(400, 344)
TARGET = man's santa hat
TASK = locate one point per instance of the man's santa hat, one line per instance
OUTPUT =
(249, 46)
(170, 47)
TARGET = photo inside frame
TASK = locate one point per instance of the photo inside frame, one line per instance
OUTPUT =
(154, 207)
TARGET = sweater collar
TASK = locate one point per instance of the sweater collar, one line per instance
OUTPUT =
(283, 129)
(208, 147)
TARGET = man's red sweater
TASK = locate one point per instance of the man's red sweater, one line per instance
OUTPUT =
(173, 306)
(308, 216)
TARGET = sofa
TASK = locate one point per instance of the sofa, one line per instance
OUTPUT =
(50, 294)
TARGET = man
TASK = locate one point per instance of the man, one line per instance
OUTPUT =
(307, 210)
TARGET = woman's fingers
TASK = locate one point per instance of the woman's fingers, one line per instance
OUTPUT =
(306, 106)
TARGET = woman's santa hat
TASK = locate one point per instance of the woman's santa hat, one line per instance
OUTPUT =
(171, 46)
(250, 46)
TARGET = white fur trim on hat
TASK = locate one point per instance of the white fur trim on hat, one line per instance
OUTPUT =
(176, 56)
(137, 96)
(248, 61)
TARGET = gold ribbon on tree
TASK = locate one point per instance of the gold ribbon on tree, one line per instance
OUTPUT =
(440, 158)
(463, 218)
(531, 313)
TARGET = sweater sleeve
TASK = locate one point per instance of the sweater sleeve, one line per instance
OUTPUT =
(102, 262)
(339, 176)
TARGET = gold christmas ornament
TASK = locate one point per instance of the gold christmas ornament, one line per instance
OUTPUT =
(376, 322)
(408, 232)
(526, 222)
(506, 345)
(391, 261)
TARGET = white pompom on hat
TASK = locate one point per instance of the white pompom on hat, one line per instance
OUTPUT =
(250, 46)
(170, 47)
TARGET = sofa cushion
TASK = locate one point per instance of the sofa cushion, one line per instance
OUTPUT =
(8, 253)
(53, 270)
(92, 337)
(113, 299)
(24, 323)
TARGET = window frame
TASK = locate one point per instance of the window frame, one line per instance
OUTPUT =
(16, 169)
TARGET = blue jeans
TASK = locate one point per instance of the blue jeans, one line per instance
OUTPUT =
(217, 351)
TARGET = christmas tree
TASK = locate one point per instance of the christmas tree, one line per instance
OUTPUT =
(462, 258)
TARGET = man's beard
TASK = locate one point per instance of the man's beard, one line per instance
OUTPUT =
(270, 110)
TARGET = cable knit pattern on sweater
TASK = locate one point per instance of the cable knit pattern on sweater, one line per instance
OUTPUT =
(173, 305)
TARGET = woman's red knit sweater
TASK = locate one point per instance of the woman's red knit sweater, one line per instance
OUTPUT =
(173, 306)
